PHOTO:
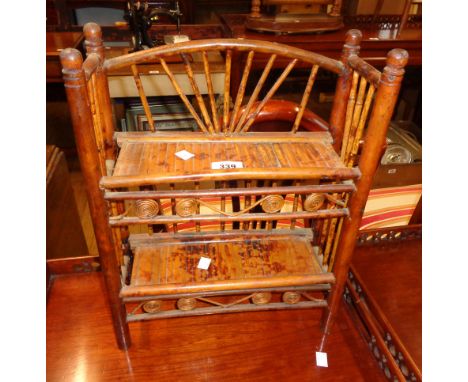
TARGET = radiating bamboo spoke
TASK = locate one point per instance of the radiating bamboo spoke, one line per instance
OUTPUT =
(360, 129)
(356, 114)
(349, 113)
(183, 96)
(253, 97)
(227, 83)
(144, 100)
(94, 106)
(241, 91)
(270, 94)
(305, 98)
(209, 83)
(196, 91)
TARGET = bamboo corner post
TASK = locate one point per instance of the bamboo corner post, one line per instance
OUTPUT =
(82, 120)
(343, 87)
(94, 45)
(386, 97)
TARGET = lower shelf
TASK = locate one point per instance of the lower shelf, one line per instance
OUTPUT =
(201, 306)
(247, 262)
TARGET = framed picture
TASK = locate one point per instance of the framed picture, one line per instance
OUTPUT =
(166, 116)
(162, 122)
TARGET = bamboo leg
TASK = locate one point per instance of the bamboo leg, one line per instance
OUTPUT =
(385, 101)
(75, 86)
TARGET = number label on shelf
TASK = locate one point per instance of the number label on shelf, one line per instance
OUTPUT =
(321, 359)
(184, 154)
(204, 263)
(226, 165)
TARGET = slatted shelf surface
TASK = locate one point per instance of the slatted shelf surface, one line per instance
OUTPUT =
(143, 162)
(236, 263)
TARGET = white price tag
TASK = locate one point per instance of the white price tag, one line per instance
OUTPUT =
(204, 263)
(226, 165)
(321, 359)
(184, 154)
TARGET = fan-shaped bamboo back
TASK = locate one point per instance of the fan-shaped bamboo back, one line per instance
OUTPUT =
(236, 116)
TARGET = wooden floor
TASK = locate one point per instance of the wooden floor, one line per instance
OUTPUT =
(260, 346)
(393, 274)
(79, 190)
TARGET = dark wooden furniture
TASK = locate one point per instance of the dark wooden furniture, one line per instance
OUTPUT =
(377, 38)
(390, 319)
(271, 346)
(279, 227)
(61, 13)
(295, 16)
(405, 13)
(55, 43)
(64, 233)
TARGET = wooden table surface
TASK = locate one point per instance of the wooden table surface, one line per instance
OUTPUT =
(261, 346)
(374, 45)
(55, 43)
(393, 274)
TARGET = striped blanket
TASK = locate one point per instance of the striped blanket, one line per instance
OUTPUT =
(390, 207)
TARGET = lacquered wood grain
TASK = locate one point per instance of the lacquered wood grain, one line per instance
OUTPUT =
(261, 346)
(135, 167)
(398, 265)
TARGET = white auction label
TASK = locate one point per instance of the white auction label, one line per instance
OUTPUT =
(321, 359)
(226, 165)
(204, 263)
(184, 154)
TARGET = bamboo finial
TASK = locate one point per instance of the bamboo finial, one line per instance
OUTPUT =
(71, 59)
(343, 87)
(93, 39)
(352, 41)
(396, 61)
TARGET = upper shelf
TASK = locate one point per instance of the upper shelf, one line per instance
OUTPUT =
(151, 158)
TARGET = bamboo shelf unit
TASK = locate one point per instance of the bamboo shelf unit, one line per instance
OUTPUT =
(232, 217)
